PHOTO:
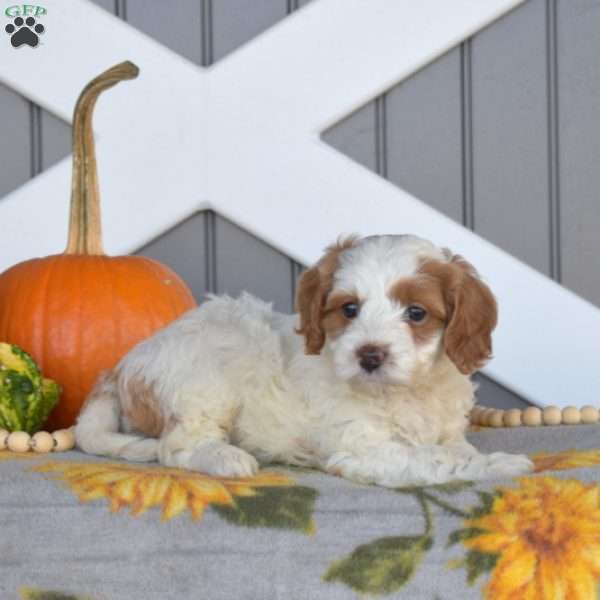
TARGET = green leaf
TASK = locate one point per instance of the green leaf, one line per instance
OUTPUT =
(487, 502)
(381, 567)
(280, 507)
(32, 594)
(478, 563)
(411, 489)
(463, 534)
(452, 487)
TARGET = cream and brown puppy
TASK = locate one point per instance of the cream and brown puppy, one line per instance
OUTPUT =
(370, 381)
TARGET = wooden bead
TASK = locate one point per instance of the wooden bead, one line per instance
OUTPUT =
(42, 441)
(486, 415)
(512, 417)
(551, 415)
(481, 417)
(475, 416)
(64, 439)
(496, 419)
(18, 441)
(3, 438)
(571, 415)
(532, 416)
(589, 414)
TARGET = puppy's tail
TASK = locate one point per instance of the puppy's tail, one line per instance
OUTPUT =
(97, 428)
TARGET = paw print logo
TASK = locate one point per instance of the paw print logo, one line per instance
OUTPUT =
(24, 32)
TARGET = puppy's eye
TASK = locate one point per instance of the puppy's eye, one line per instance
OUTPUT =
(416, 313)
(350, 310)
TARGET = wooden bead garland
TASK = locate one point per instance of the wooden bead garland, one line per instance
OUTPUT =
(513, 418)
(532, 416)
(41, 442)
(589, 414)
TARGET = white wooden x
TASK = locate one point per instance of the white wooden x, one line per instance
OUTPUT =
(242, 137)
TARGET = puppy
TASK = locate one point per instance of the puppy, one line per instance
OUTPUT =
(370, 381)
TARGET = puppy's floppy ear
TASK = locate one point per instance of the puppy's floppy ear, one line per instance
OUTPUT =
(473, 317)
(472, 311)
(313, 288)
(310, 298)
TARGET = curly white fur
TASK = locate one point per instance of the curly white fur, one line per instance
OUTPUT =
(232, 387)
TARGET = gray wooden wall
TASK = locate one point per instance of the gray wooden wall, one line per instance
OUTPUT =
(501, 134)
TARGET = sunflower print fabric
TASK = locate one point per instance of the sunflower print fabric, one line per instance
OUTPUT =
(76, 527)
(36, 594)
(8, 455)
(175, 491)
(541, 538)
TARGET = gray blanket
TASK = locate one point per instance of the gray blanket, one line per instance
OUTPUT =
(76, 526)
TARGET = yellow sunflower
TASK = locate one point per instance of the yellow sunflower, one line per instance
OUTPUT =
(8, 455)
(567, 459)
(26, 593)
(546, 536)
(141, 488)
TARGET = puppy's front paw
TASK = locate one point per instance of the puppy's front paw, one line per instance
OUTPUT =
(386, 467)
(502, 464)
(498, 465)
(223, 460)
(344, 464)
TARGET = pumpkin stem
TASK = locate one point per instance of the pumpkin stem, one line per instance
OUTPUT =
(85, 226)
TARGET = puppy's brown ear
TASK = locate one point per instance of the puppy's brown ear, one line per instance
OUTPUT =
(474, 314)
(310, 298)
(313, 288)
(472, 311)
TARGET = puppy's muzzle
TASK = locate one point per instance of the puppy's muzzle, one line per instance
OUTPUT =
(371, 357)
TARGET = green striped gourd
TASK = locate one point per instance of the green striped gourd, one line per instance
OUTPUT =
(26, 398)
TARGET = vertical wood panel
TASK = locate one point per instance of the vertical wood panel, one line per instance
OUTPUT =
(510, 135)
(210, 250)
(55, 139)
(207, 32)
(109, 5)
(579, 145)
(176, 24)
(355, 137)
(492, 394)
(121, 9)
(466, 117)
(35, 137)
(246, 263)
(237, 21)
(553, 152)
(183, 249)
(15, 141)
(424, 135)
(296, 271)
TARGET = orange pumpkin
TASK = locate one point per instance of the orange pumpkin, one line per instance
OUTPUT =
(79, 312)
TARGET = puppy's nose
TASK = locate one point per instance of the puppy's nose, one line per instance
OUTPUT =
(371, 357)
